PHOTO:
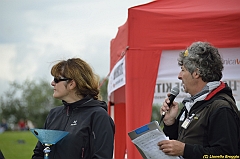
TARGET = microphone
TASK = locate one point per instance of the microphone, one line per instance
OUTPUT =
(174, 93)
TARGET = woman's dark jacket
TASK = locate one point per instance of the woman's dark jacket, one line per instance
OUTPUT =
(91, 131)
(215, 129)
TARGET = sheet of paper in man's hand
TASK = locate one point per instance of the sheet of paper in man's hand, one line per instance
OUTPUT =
(148, 144)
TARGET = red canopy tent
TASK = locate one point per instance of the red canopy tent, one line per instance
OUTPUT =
(151, 28)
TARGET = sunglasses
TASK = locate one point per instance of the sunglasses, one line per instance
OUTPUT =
(56, 80)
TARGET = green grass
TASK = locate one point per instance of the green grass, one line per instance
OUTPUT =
(17, 144)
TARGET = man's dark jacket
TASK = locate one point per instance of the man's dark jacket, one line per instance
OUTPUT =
(215, 129)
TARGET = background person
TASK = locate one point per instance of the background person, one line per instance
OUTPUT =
(83, 115)
(209, 122)
(22, 124)
(3, 125)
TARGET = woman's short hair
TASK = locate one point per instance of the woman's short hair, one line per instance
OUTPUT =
(87, 82)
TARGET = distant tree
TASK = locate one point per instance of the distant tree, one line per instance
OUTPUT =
(156, 112)
(103, 89)
(31, 100)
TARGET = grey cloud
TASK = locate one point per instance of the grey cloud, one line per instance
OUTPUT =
(42, 32)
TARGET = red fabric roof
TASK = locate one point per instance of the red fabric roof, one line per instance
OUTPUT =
(171, 24)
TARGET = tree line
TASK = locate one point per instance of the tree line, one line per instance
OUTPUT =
(32, 100)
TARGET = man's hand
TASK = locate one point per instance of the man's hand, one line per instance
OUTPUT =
(172, 147)
(171, 112)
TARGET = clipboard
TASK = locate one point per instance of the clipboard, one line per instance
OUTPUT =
(152, 130)
(142, 130)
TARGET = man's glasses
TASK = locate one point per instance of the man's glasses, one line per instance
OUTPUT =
(56, 80)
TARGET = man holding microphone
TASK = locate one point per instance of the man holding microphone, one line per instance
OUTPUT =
(209, 123)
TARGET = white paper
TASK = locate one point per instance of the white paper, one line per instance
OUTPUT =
(148, 144)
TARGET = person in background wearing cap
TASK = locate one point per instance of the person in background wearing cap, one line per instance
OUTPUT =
(209, 124)
(83, 115)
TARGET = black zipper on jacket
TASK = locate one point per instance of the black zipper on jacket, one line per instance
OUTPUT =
(68, 116)
(67, 110)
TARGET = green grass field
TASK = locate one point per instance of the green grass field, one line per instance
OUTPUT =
(17, 144)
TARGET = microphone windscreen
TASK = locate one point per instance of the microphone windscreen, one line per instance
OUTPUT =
(175, 91)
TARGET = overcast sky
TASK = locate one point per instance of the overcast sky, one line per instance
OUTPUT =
(34, 34)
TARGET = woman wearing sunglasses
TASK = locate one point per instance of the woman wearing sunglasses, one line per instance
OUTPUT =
(83, 115)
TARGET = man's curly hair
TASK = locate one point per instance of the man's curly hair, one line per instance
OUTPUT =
(203, 58)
